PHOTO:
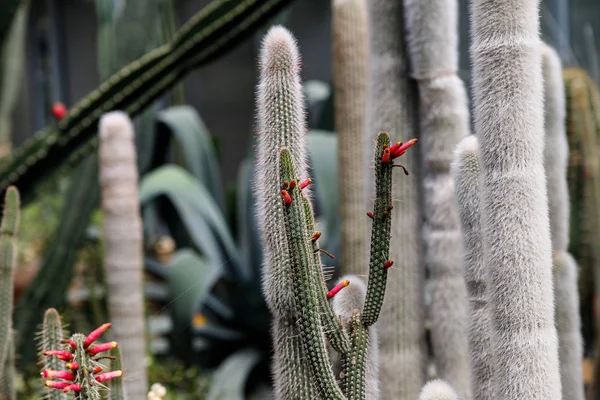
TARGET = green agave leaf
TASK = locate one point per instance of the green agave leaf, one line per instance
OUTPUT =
(194, 144)
(323, 149)
(249, 238)
(197, 210)
(229, 381)
(189, 279)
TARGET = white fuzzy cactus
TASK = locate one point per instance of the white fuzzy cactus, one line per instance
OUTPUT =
(390, 106)
(344, 304)
(432, 33)
(467, 181)
(281, 122)
(509, 124)
(567, 319)
(438, 390)
(350, 51)
(123, 246)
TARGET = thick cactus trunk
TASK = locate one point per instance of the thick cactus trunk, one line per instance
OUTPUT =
(123, 247)
(390, 97)
(432, 30)
(509, 123)
(350, 51)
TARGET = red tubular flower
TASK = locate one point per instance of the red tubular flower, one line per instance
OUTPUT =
(370, 214)
(60, 354)
(74, 387)
(70, 343)
(305, 183)
(56, 384)
(402, 149)
(95, 334)
(286, 197)
(73, 366)
(109, 375)
(386, 157)
(97, 370)
(316, 236)
(337, 288)
(102, 347)
(59, 111)
(395, 147)
(48, 373)
(388, 264)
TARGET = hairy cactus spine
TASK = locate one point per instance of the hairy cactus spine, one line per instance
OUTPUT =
(438, 390)
(123, 253)
(52, 337)
(350, 51)
(389, 107)
(508, 121)
(467, 175)
(280, 123)
(432, 36)
(556, 153)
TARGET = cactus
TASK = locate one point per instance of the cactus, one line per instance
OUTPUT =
(293, 281)
(438, 390)
(350, 50)
(212, 31)
(52, 337)
(466, 171)
(556, 152)
(123, 245)
(432, 36)
(83, 373)
(390, 100)
(508, 121)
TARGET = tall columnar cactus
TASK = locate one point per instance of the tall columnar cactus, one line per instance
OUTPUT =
(350, 51)
(8, 258)
(52, 337)
(556, 153)
(123, 247)
(508, 121)
(82, 372)
(292, 276)
(438, 390)
(432, 32)
(390, 101)
(466, 171)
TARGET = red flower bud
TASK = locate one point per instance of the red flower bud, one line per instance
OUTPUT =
(386, 157)
(292, 184)
(56, 384)
(95, 334)
(59, 111)
(305, 183)
(286, 197)
(73, 366)
(60, 354)
(388, 264)
(102, 347)
(48, 373)
(109, 375)
(370, 214)
(74, 387)
(70, 343)
(337, 288)
(316, 236)
(97, 370)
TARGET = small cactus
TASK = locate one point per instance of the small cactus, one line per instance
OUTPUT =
(82, 374)
(438, 390)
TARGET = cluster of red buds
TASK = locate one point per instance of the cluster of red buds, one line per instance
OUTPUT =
(396, 150)
(70, 381)
(288, 186)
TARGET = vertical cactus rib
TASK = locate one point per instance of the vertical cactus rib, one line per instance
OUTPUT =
(438, 390)
(345, 304)
(350, 52)
(51, 337)
(508, 121)
(123, 247)
(556, 154)
(8, 373)
(117, 391)
(355, 362)
(8, 257)
(390, 100)
(280, 109)
(467, 174)
(380, 233)
(432, 38)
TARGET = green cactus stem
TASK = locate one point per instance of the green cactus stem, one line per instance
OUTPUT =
(52, 337)
(212, 31)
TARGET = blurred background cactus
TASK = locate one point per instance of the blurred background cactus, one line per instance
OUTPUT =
(185, 72)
